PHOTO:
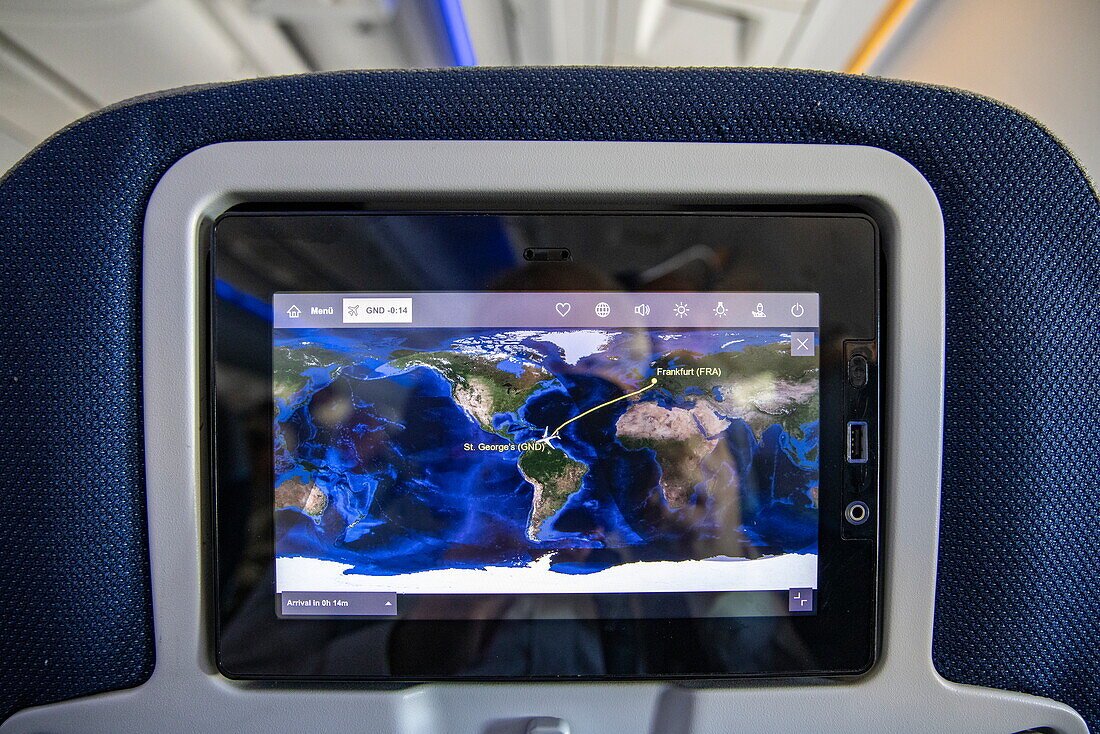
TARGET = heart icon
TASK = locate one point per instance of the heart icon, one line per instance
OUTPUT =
(563, 308)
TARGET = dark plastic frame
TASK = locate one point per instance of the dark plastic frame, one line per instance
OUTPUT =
(842, 637)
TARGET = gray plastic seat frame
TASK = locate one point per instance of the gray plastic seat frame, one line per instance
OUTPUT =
(903, 694)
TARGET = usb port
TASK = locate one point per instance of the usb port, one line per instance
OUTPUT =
(857, 442)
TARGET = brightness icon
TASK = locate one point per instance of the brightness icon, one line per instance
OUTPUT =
(681, 309)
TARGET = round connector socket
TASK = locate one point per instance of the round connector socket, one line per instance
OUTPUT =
(857, 512)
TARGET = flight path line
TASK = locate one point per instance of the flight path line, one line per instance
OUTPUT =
(652, 383)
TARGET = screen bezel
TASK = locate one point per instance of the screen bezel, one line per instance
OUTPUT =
(842, 634)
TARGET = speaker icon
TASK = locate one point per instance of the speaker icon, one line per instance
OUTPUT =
(642, 309)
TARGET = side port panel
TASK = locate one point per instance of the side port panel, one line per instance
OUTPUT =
(861, 401)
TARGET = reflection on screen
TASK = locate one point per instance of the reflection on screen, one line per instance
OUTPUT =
(430, 461)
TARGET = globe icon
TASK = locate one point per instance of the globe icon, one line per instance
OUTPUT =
(603, 310)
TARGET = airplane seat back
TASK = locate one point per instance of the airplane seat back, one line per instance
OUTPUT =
(1018, 600)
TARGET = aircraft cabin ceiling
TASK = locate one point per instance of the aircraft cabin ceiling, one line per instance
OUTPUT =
(61, 59)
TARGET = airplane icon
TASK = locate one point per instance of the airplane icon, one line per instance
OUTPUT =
(546, 437)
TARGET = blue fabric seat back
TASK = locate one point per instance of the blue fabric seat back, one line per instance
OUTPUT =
(1019, 586)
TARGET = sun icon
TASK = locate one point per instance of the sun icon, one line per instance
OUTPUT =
(681, 309)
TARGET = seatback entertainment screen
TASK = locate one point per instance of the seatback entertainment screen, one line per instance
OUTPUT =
(450, 446)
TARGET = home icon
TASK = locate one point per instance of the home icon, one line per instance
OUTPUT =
(294, 312)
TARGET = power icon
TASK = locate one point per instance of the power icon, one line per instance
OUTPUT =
(797, 310)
